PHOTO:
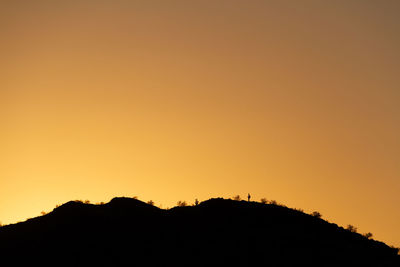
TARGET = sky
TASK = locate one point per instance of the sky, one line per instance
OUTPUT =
(294, 101)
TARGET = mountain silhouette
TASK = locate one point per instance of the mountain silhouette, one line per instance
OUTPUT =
(217, 232)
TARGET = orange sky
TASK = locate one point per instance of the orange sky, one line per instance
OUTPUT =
(296, 101)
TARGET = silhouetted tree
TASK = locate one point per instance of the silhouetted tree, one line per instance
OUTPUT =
(248, 197)
(150, 202)
(273, 202)
(237, 198)
(316, 214)
(87, 201)
(196, 202)
(264, 200)
(368, 235)
(181, 203)
(351, 228)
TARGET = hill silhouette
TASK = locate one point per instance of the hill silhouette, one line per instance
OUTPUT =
(217, 232)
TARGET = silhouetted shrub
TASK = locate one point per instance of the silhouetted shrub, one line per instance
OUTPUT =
(316, 214)
(351, 228)
(150, 202)
(273, 202)
(181, 203)
(368, 235)
(264, 200)
(134, 197)
(395, 249)
(237, 198)
(87, 201)
(43, 213)
(196, 202)
(79, 201)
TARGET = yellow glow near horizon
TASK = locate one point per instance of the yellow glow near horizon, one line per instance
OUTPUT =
(177, 100)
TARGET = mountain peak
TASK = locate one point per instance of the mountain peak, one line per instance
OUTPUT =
(218, 231)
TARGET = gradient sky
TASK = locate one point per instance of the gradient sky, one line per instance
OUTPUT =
(296, 101)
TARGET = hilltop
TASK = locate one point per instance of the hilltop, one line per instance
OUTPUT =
(217, 232)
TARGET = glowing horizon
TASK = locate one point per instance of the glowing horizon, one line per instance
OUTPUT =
(168, 101)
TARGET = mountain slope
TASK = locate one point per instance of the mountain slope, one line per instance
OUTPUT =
(217, 232)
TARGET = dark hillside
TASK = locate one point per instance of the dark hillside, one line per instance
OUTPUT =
(217, 232)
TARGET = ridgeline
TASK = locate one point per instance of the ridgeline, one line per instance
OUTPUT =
(216, 232)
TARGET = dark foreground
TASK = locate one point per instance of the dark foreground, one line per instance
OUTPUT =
(217, 232)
